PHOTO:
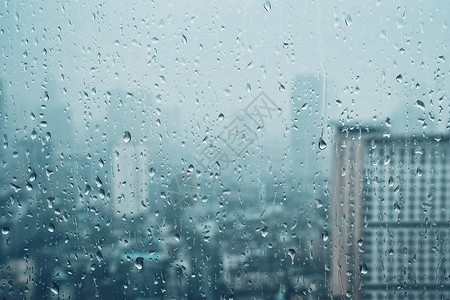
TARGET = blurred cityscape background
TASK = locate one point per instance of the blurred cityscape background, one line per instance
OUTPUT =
(193, 152)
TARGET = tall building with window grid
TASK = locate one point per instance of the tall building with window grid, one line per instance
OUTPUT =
(390, 222)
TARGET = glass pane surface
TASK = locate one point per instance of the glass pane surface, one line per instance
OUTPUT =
(224, 149)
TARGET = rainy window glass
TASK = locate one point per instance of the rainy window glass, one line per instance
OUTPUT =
(224, 149)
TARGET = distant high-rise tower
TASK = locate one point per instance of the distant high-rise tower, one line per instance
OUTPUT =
(3, 137)
(307, 102)
(389, 217)
(2, 109)
(129, 178)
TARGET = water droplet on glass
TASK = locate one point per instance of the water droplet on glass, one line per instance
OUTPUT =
(399, 78)
(33, 134)
(363, 269)
(127, 137)
(98, 182)
(418, 172)
(99, 255)
(348, 20)
(139, 263)
(322, 144)
(325, 236)
(55, 288)
(291, 253)
(420, 105)
(264, 231)
(51, 227)
(319, 203)
(32, 177)
(48, 136)
(177, 237)
(151, 172)
(267, 6)
(5, 230)
(15, 187)
(391, 181)
(221, 117)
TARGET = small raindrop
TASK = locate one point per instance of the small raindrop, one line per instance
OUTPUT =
(418, 172)
(32, 177)
(87, 189)
(33, 134)
(420, 105)
(348, 20)
(388, 122)
(291, 253)
(127, 137)
(51, 227)
(363, 269)
(183, 39)
(267, 6)
(15, 187)
(5, 230)
(391, 181)
(55, 288)
(99, 255)
(177, 237)
(98, 182)
(325, 236)
(264, 231)
(319, 203)
(399, 78)
(48, 136)
(322, 144)
(221, 117)
(139, 263)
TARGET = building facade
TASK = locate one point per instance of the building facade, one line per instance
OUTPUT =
(390, 234)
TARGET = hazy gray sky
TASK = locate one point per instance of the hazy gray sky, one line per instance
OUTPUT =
(196, 59)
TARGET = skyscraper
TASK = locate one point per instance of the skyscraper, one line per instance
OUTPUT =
(2, 132)
(307, 102)
(129, 178)
(390, 235)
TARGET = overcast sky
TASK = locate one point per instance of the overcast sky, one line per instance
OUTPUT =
(196, 59)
